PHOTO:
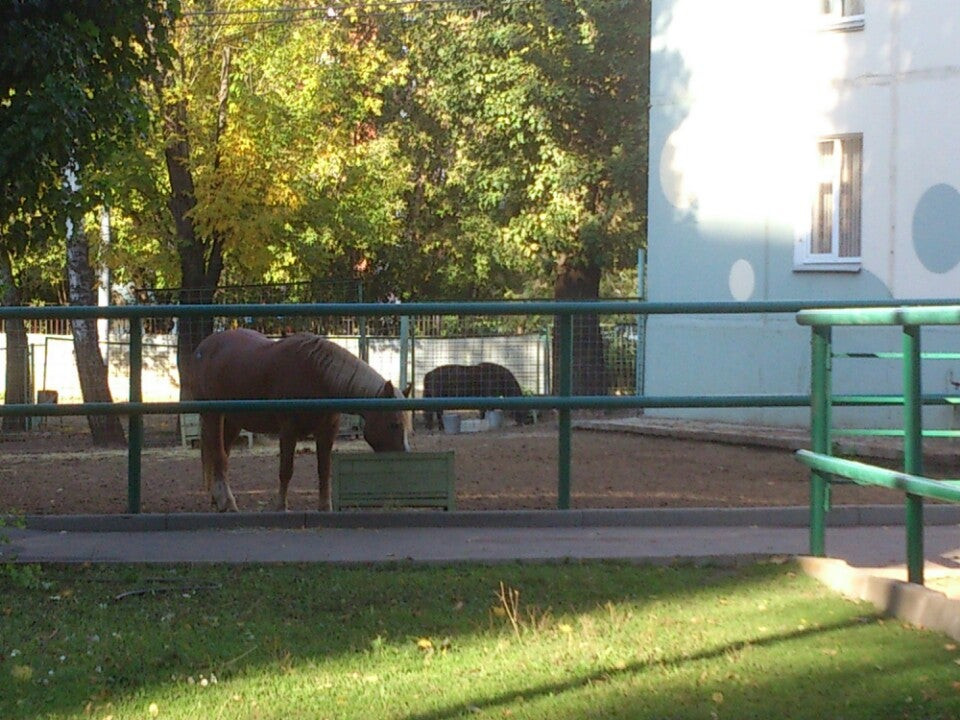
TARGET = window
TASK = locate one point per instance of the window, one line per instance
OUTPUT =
(843, 14)
(833, 240)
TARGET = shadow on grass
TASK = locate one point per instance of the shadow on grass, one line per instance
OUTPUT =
(266, 620)
(612, 673)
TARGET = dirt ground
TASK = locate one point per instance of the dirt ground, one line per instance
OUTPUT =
(57, 471)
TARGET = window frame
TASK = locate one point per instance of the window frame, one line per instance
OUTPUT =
(835, 17)
(805, 260)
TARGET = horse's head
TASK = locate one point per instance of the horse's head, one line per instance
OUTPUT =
(388, 431)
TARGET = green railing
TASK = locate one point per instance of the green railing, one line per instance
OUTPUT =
(564, 402)
(824, 467)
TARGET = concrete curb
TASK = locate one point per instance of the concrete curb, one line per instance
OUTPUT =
(912, 603)
(771, 437)
(842, 516)
(727, 433)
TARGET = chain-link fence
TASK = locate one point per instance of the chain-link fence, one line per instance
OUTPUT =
(506, 356)
(316, 291)
(437, 355)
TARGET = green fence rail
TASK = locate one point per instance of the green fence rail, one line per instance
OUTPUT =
(564, 402)
(823, 466)
(866, 474)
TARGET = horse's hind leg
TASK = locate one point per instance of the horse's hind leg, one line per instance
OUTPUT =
(215, 438)
(288, 446)
(324, 434)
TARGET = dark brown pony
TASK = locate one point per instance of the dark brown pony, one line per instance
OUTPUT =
(245, 365)
(483, 380)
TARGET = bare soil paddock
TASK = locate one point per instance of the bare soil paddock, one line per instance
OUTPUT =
(57, 471)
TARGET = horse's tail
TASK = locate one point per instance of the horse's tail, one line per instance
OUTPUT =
(206, 459)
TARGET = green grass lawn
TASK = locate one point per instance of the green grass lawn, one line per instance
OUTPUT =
(590, 640)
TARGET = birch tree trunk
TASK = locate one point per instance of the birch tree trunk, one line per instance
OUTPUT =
(105, 430)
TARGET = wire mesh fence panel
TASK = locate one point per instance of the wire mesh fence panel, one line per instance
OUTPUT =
(527, 357)
(498, 355)
(56, 369)
(314, 291)
(620, 350)
(604, 362)
(42, 326)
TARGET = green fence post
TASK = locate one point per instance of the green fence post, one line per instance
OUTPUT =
(363, 351)
(820, 390)
(566, 388)
(913, 449)
(404, 352)
(640, 346)
(135, 428)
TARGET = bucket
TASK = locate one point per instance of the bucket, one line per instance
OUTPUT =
(451, 423)
(494, 419)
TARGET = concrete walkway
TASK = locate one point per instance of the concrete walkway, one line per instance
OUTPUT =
(863, 536)
(471, 538)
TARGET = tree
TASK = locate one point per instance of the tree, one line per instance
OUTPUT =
(72, 72)
(525, 124)
(469, 151)
(271, 172)
(18, 352)
(460, 121)
(585, 206)
(30, 269)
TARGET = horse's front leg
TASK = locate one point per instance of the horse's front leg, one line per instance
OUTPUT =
(214, 449)
(324, 434)
(288, 447)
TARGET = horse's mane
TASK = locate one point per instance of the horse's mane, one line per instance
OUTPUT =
(343, 373)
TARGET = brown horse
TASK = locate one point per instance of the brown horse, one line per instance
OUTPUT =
(245, 365)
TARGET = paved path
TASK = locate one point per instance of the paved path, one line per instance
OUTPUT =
(872, 546)
(866, 549)
(864, 537)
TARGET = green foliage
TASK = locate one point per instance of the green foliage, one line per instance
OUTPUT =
(526, 126)
(68, 94)
(436, 152)
(68, 99)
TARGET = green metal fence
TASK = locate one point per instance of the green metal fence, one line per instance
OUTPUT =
(825, 467)
(562, 400)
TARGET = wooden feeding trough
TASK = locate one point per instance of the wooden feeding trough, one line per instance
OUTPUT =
(392, 480)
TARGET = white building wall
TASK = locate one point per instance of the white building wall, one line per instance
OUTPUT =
(740, 92)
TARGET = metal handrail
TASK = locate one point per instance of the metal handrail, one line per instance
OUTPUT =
(911, 481)
(502, 307)
(866, 474)
(946, 313)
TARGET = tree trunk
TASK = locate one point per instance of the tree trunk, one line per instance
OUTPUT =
(575, 282)
(201, 263)
(18, 352)
(199, 271)
(106, 430)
